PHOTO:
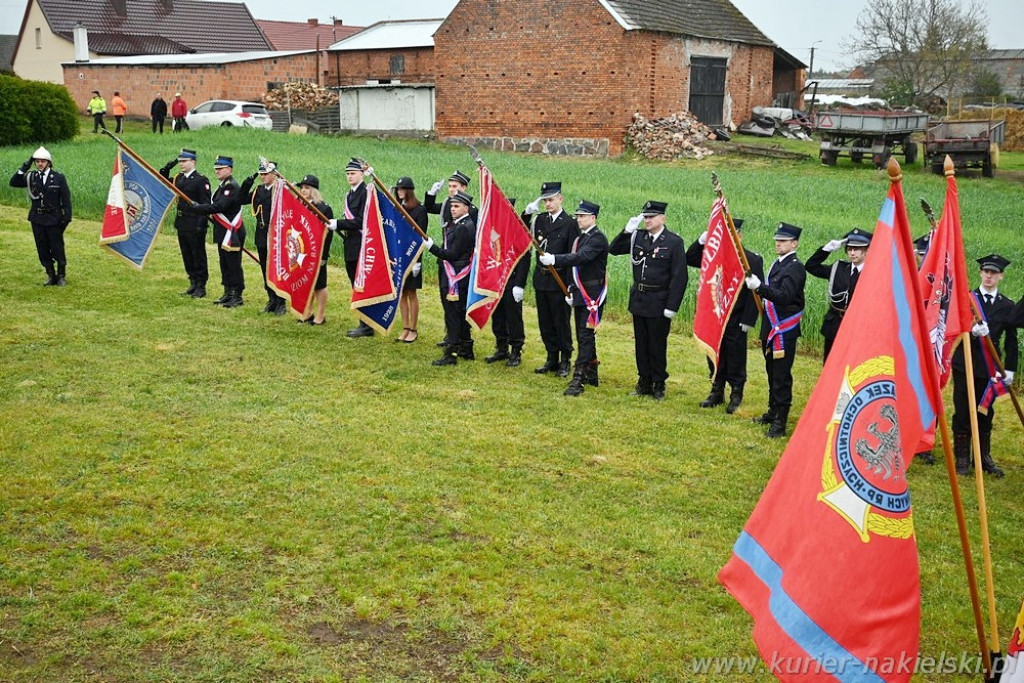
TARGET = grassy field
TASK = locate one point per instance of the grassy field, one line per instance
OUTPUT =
(196, 494)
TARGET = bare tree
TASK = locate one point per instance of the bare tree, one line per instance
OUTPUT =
(920, 48)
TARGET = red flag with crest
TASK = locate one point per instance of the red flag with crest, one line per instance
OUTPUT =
(295, 246)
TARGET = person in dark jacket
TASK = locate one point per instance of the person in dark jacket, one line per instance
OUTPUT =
(352, 224)
(453, 259)
(262, 200)
(409, 304)
(228, 231)
(507, 316)
(783, 294)
(588, 264)
(457, 182)
(732, 355)
(50, 212)
(191, 227)
(158, 113)
(658, 257)
(842, 279)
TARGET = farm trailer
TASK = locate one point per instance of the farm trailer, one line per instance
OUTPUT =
(970, 144)
(875, 134)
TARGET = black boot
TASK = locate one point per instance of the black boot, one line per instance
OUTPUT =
(988, 465)
(717, 395)
(550, 365)
(280, 307)
(360, 330)
(449, 357)
(192, 284)
(925, 457)
(224, 297)
(235, 300)
(515, 358)
(200, 292)
(575, 387)
(564, 366)
(962, 453)
(767, 418)
(777, 428)
(269, 308)
(51, 277)
(466, 351)
(500, 353)
(642, 388)
(657, 390)
(735, 399)
(590, 376)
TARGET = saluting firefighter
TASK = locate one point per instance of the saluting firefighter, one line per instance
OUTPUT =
(783, 294)
(226, 209)
(453, 260)
(588, 264)
(191, 227)
(732, 356)
(507, 316)
(262, 198)
(658, 257)
(842, 279)
(457, 182)
(997, 324)
(555, 231)
(49, 214)
(352, 225)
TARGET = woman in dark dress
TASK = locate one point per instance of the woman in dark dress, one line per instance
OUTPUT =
(409, 304)
(309, 186)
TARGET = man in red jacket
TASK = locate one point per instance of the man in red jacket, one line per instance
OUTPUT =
(178, 111)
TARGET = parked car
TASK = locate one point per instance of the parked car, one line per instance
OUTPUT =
(229, 113)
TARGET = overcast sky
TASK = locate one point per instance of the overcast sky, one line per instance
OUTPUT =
(795, 26)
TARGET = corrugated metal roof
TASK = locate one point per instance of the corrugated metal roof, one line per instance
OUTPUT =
(203, 59)
(296, 35)
(203, 26)
(712, 19)
(391, 35)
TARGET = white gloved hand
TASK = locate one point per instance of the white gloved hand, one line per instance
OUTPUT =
(1008, 376)
(833, 245)
(980, 330)
(753, 282)
(669, 314)
(417, 269)
(435, 188)
(332, 224)
(633, 223)
(745, 328)
(703, 239)
(546, 259)
(568, 299)
(533, 207)
(517, 294)
(428, 243)
(368, 171)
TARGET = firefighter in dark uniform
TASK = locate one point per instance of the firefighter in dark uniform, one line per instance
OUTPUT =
(555, 231)
(732, 356)
(262, 199)
(507, 316)
(49, 214)
(191, 227)
(453, 258)
(921, 247)
(587, 262)
(842, 279)
(351, 223)
(997, 324)
(226, 209)
(457, 182)
(658, 257)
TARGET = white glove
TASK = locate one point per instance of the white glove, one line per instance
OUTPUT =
(703, 239)
(568, 299)
(533, 207)
(745, 328)
(417, 269)
(980, 330)
(1008, 376)
(669, 314)
(832, 245)
(546, 259)
(332, 224)
(428, 243)
(271, 167)
(753, 282)
(517, 294)
(633, 223)
(435, 188)
(368, 171)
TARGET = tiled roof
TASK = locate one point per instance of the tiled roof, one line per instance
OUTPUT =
(201, 26)
(7, 45)
(392, 35)
(714, 19)
(121, 44)
(302, 35)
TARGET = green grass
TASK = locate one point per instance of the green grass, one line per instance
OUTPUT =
(196, 494)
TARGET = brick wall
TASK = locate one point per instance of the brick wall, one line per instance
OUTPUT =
(139, 84)
(358, 67)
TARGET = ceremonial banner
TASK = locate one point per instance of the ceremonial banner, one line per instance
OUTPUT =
(501, 241)
(137, 203)
(721, 277)
(402, 246)
(827, 563)
(374, 280)
(1013, 665)
(295, 246)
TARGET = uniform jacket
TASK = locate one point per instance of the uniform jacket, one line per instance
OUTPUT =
(158, 110)
(590, 255)
(197, 188)
(554, 237)
(659, 271)
(744, 311)
(262, 199)
(999, 315)
(840, 289)
(784, 287)
(50, 196)
(352, 238)
(457, 248)
(227, 199)
(444, 209)
(328, 211)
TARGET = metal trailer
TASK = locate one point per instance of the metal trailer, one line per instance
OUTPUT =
(970, 144)
(876, 134)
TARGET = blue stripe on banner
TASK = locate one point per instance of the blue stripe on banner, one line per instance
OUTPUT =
(911, 350)
(819, 646)
(888, 214)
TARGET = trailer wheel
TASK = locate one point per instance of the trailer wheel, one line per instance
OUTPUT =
(829, 157)
(937, 168)
(880, 160)
(910, 152)
(986, 167)
(993, 150)
(857, 157)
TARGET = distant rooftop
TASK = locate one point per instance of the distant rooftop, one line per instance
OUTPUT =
(302, 35)
(392, 35)
(206, 58)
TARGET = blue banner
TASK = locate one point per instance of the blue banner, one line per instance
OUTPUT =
(144, 198)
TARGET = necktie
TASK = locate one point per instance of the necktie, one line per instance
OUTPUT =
(988, 299)
(854, 276)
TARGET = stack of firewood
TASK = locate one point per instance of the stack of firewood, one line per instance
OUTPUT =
(678, 136)
(299, 96)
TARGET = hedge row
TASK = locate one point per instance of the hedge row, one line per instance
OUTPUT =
(33, 112)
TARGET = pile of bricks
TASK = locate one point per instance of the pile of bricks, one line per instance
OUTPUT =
(678, 136)
(299, 96)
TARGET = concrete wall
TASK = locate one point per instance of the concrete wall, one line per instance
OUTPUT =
(390, 108)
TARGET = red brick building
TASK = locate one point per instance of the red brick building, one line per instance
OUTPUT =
(566, 77)
(388, 52)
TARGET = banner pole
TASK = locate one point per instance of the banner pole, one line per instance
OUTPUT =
(380, 186)
(737, 242)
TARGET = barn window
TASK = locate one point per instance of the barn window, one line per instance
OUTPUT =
(397, 65)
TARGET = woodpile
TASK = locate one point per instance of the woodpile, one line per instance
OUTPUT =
(1013, 131)
(678, 136)
(299, 96)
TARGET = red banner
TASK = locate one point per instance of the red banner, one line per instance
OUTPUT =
(115, 218)
(374, 281)
(295, 245)
(721, 277)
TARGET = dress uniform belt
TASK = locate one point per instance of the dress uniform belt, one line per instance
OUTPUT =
(42, 209)
(649, 288)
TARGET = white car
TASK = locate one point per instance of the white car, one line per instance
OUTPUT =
(229, 113)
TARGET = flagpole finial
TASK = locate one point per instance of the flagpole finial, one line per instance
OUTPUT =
(716, 183)
(893, 167)
(929, 214)
(476, 156)
(948, 167)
